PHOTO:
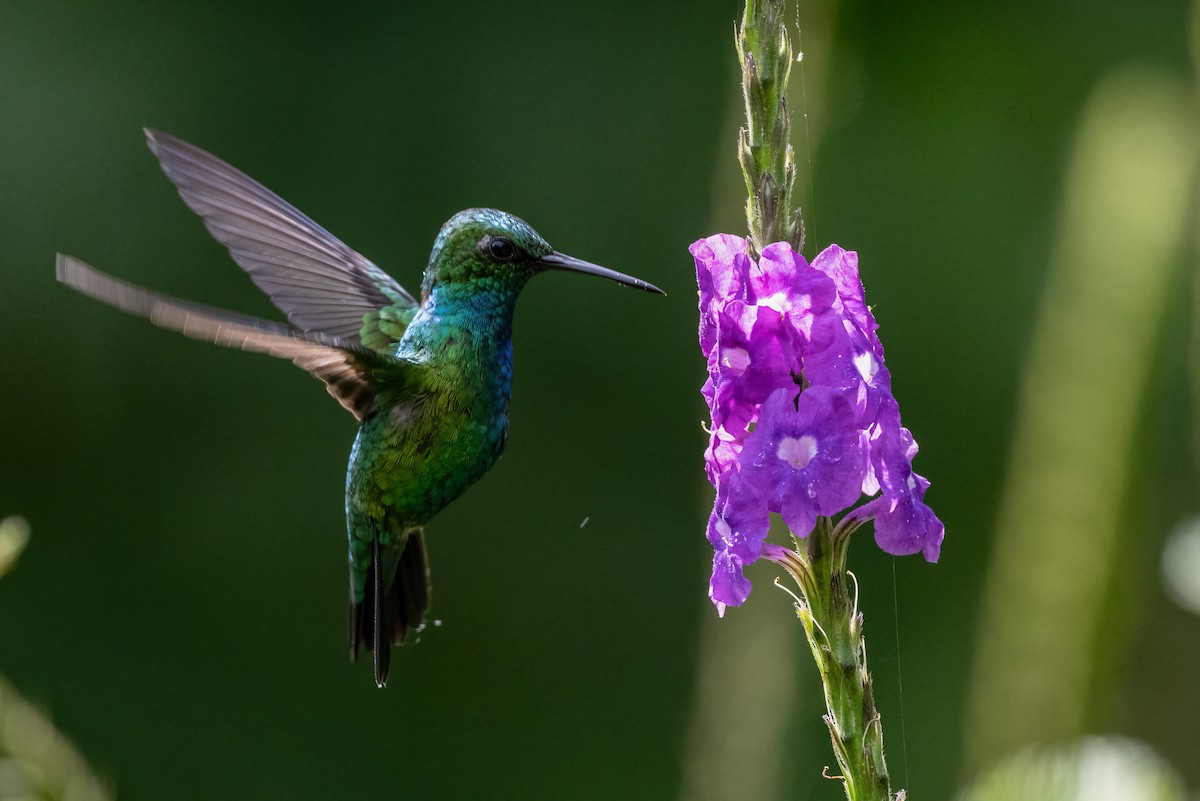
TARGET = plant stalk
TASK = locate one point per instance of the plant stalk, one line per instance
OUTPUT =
(828, 609)
(828, 602)
(764, 145)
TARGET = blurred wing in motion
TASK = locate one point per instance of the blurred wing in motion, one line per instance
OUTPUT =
(349, 370)
(309, 274)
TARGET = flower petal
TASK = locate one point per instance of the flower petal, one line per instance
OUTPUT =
(728, 586)
(805, 455)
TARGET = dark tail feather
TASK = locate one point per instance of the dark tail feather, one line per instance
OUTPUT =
(411, 587)
(381, 651)
(384, 618)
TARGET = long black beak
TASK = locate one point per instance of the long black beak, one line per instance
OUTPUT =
(561, 261)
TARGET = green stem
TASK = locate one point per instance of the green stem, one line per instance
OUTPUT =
(828, 610)
(764, 147)
(828, 602)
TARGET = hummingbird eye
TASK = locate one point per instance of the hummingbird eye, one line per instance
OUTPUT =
(500, 248)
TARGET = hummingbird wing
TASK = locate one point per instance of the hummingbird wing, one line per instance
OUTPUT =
(309, 274)
(351, 372)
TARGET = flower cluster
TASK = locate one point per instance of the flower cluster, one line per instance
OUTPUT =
(803, 418)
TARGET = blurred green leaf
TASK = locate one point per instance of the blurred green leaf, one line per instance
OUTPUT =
(14, 536)
(1095, 769)
(36, 760)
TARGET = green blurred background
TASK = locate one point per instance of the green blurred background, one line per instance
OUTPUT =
(180, 607)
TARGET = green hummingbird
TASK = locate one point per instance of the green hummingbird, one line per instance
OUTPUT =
(429, 382)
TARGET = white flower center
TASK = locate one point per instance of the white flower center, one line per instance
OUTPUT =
(725, 531)
(867, 366)
(797, 452)
(736, 359)
(779, 302)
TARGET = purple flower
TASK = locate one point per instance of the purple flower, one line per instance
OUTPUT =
(784, 280)
(904, 524)
(842, 266)
(805, 456)
(722, 271)
(737, 528)
(767, 328)
(754, 355)
(852, 360)
(728, 586)
(721, 454)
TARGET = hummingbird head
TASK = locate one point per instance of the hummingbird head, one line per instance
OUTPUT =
(488, 247)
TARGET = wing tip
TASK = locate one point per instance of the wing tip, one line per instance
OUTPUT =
(70, 270)
(155, 138)
(163, 145)
(62, 265)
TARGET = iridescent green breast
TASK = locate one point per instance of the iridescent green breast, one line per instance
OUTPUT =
(419, 451)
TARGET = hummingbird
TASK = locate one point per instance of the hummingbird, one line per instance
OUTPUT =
(428, 381)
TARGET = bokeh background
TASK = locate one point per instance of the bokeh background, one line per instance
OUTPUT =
(1017, 178)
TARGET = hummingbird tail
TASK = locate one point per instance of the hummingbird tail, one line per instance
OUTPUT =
(389, 610)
